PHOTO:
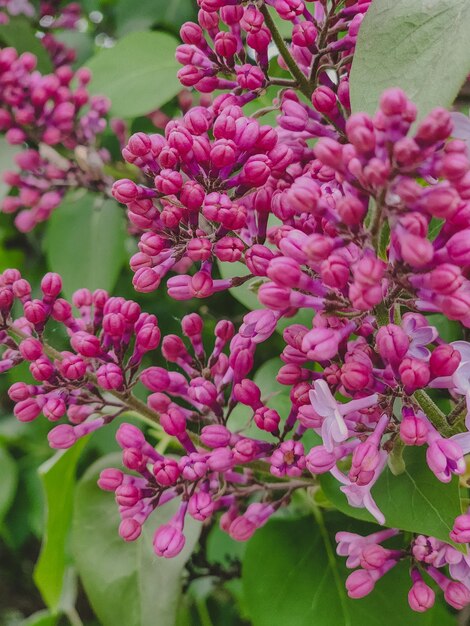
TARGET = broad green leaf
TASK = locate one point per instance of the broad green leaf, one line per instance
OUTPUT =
(19, 33)
(41, 618)
(85, 242)
(138, 74)
(292, 577)
(449, 330)
(125, 582)
(415, 500)
(421, 46)
(153, 13)
(8, 482)
(7, 154)
(58, 478)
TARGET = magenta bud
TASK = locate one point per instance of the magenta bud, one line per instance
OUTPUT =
(267, 419)
(374, 557)
(415, 374)
(86, 344)
(200, 506)
(110, 376)
(457, 595)
(324, 99)
(359, 584)
(72, 366)
(166, 472)
(110, 479)
(129, 436)
(392, 343)
(62, 437)
(413, 430)
(321, 344)
(27, 410)
(51, 285)
(421, 597)
(130, 529)
(125, 190)
(30, 349)
(173, 422)
(168, 541)
(18, 392)
(128, 495)
(247, 393)
(446, 278)
(460, 532)
(319, 461)
(215, 436)
(444, 360)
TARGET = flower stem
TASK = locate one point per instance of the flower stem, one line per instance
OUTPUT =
(433, 413)
(294, 69)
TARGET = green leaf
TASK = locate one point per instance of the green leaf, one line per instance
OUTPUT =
(125, 582)
(153, 13)
(41, 618)
(58, 478)
(421, 46)
(9, 480)
(7, 154)
(85, 242)
(138, 74)
(415, 500)
(449, 330)
(19, 33)
(292, 577)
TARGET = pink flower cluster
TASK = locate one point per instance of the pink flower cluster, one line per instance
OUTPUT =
(429, 557)
(108, 341)
(197, 205)
(237, 34)
(45, 111)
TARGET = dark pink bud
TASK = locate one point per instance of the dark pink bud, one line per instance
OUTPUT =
(351, 210)
(18, 392)
(130, 529)
(129, 436)
(110, 376)
(414, 374)
(446, 278)
(256, 170)
(360, 131)
(62, 437)
(27, 410)
(110, 479)
(51, 285)
(324, 99)
(35, 311)
(168, 541)
(166, 472)
(173, 422)
(444, 360)
(41, 369)
(356, 375)
(421, 597)
(319, 461)
(461, 530)
(267, 419)
(86, 344)
(457, 595)
(413, 430)
(359, 584)
(148, 337)
(200, 506)
(125, 190)
(128, 495)
(30, 349)
(247, 393)
(392, 343)
(72, 366)
(54, 409)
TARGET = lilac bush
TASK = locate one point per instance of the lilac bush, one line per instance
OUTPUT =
(352, 231)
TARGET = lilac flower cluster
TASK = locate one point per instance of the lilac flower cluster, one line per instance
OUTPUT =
(365, 230)
(46, 111)
(429, 556)
(321, 37)
(193, 207)
(87, 384)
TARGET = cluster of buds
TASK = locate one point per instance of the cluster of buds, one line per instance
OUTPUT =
(218, 52)
(428, 556)
(88, 384)
(373, 368)
(199, 203)
(46, 111)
